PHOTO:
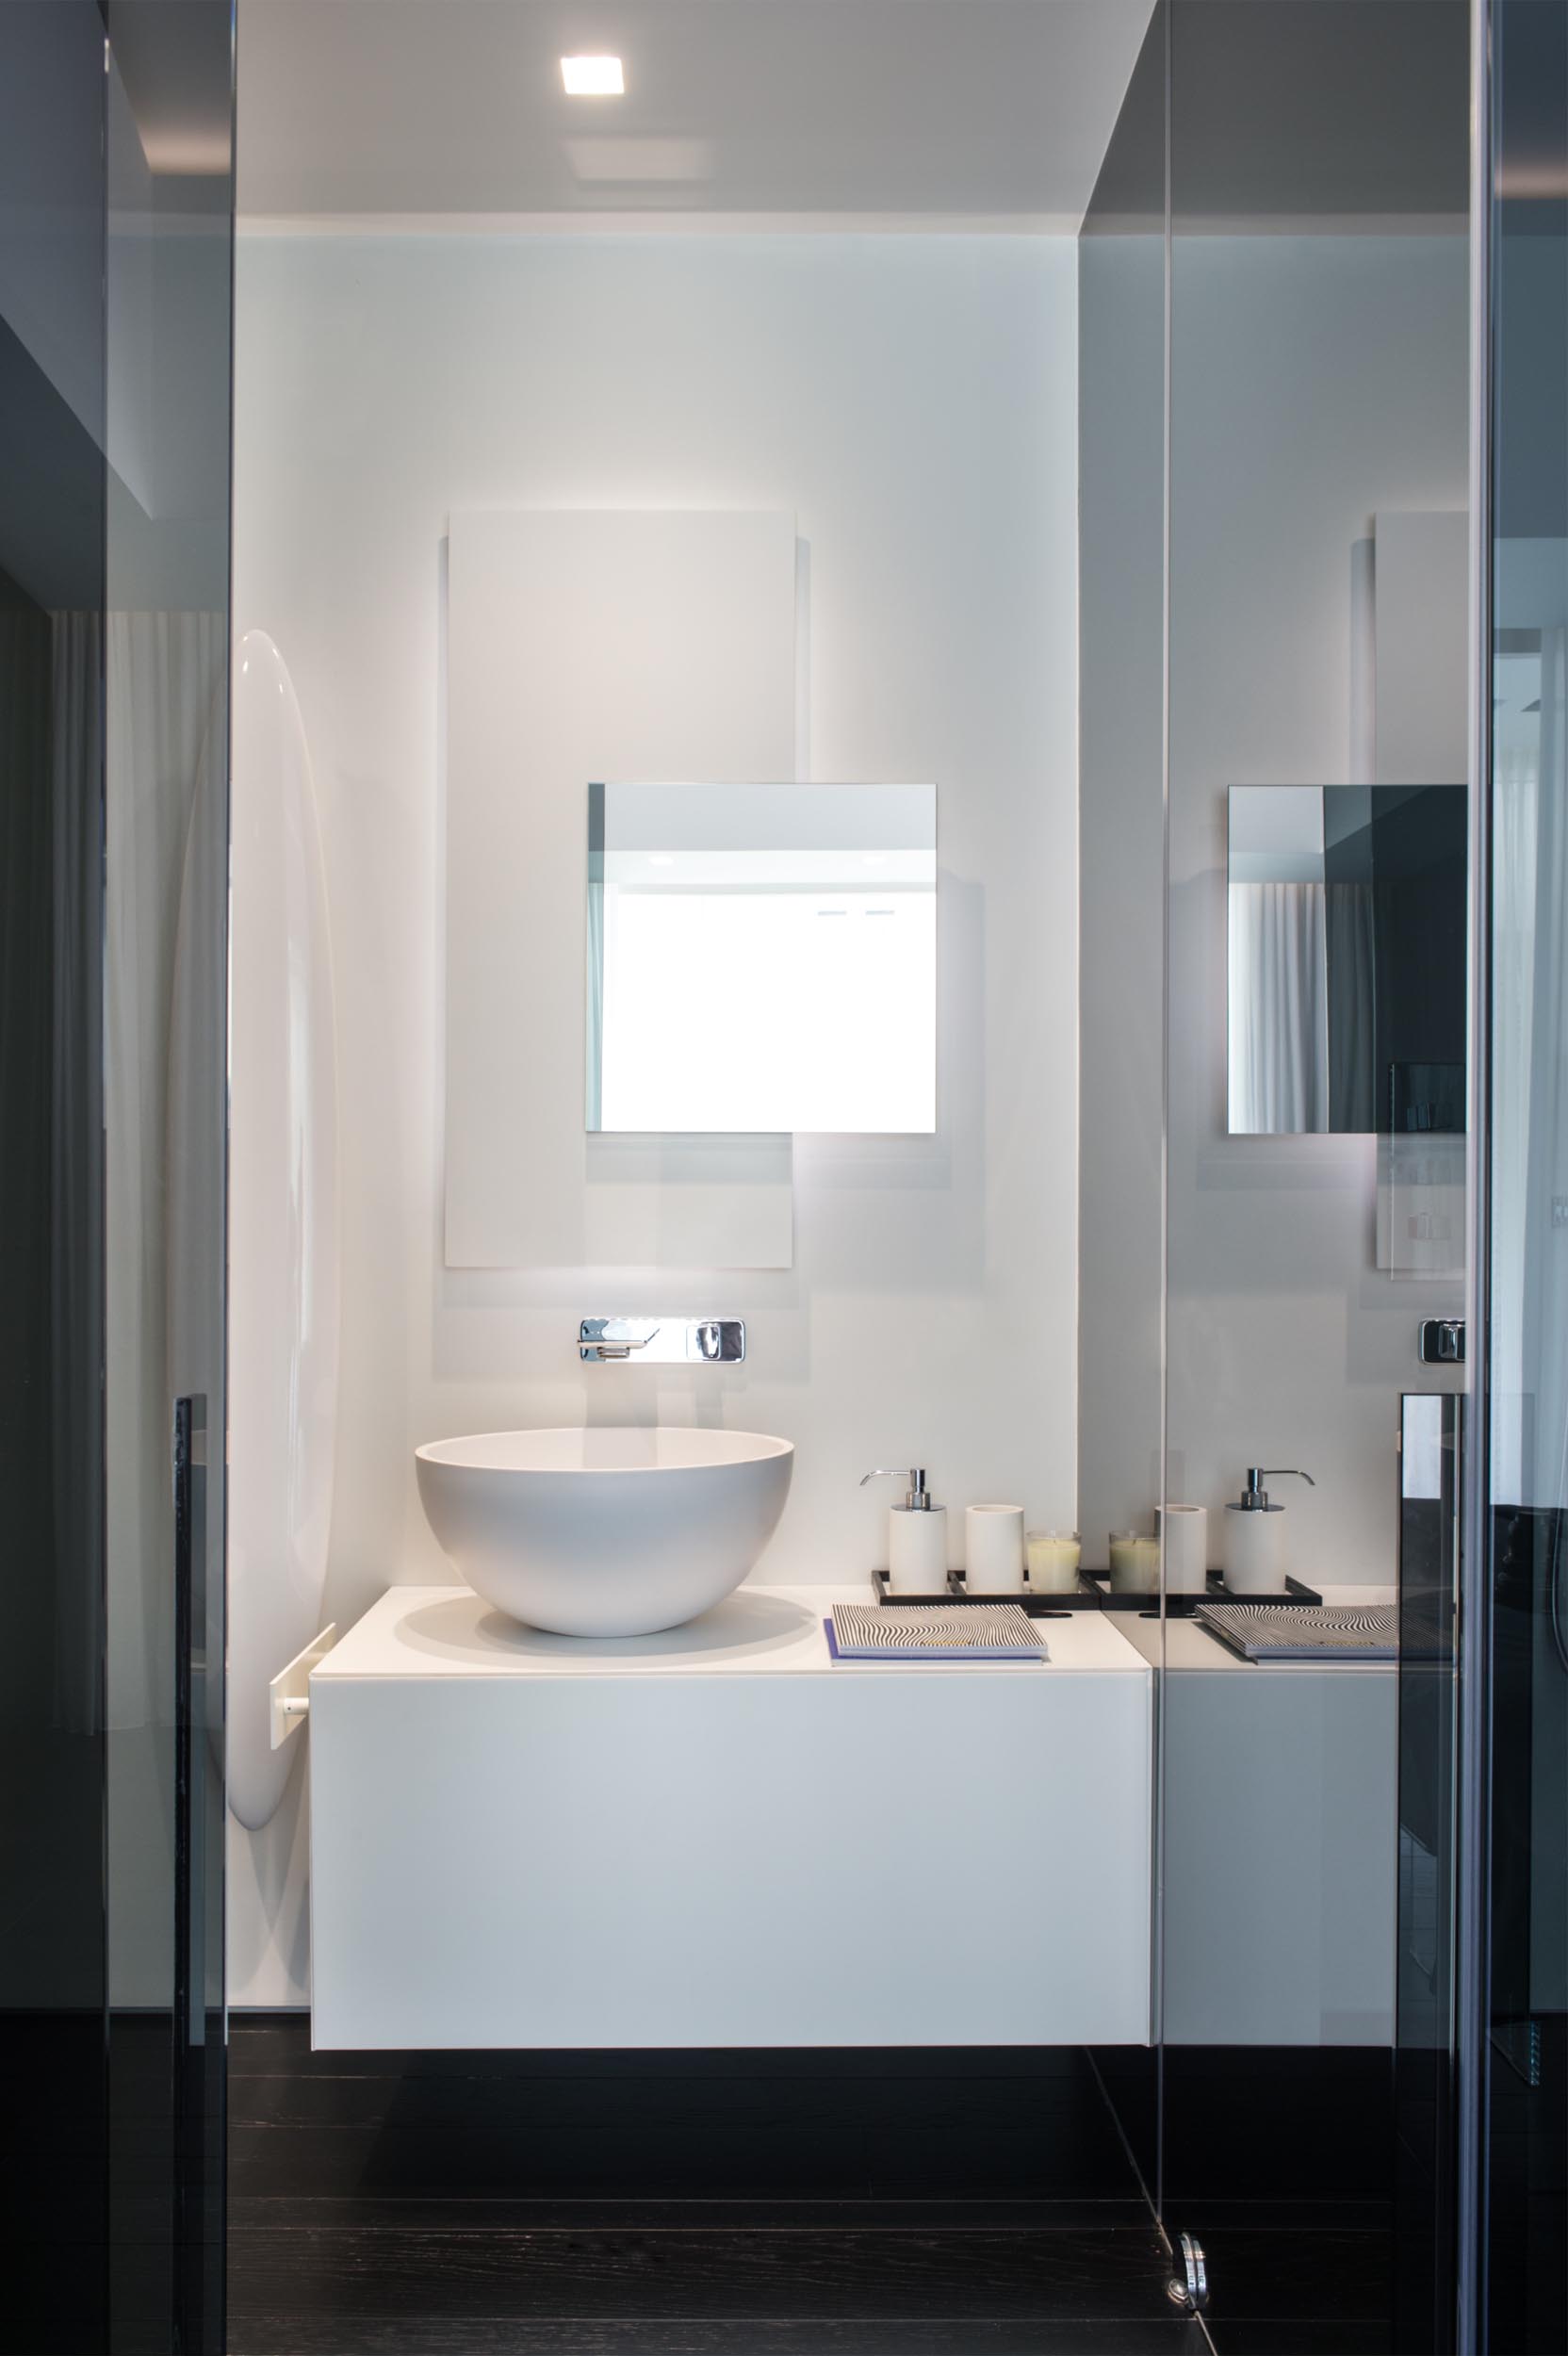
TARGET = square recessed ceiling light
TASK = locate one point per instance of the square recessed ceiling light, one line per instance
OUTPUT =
(592, 77)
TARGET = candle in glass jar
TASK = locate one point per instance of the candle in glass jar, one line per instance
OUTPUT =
(1054, 1562)
(1134, 1563)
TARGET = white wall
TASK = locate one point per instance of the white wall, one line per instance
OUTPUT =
(912, 401)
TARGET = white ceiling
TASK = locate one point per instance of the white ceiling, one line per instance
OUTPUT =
(805, 112)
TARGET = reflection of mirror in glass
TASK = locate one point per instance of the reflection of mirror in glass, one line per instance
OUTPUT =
(762, 957)
(1346, 933)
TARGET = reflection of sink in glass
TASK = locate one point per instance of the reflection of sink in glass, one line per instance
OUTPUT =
(605, 1532)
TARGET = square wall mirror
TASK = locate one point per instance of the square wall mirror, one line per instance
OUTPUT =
(1346, 965)
(763, 957)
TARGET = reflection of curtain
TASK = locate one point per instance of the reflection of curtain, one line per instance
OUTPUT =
(1278, 1011)
(77, 1154)
(162, 670)
(1545, 1353)
(1352, 1008)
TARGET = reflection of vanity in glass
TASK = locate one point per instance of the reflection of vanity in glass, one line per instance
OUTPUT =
(1280, 1823)
(761, 957)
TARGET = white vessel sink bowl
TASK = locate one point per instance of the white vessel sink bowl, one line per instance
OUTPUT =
(605, 1532)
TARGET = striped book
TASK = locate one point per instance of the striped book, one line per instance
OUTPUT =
(925, 1631)
(1325, 1631)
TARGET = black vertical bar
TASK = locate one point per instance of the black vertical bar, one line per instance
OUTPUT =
(199, 2078)
(185, 2337)
(1425, 2182)
(184, 1422)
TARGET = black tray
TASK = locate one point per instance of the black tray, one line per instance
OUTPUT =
(1180, 1607)
(1038, 1606)
(1094, 1595)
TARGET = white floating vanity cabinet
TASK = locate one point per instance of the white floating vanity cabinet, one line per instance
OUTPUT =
(718, 1837)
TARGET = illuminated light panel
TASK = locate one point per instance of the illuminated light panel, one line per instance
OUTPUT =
(592, 77)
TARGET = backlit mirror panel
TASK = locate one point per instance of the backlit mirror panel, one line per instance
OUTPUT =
(763, 957)
(1346, 920)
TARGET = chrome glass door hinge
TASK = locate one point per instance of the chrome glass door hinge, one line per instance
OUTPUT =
(1190, 2288)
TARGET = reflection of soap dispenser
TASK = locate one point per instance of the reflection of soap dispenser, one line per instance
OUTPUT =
(1255, 1535)
(916, 1538)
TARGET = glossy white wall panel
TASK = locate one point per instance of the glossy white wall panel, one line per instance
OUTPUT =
(912, 401)
(584, 646)
(721, 1203)
(1422, 596)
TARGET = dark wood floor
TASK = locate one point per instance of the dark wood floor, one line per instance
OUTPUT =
(860, 2203)
(1281, 2161)
(680, 2204)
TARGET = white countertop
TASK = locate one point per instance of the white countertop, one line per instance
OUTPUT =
(443, 1632)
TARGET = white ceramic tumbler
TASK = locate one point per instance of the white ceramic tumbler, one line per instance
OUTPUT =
(1186, 1548)
(993, 1549)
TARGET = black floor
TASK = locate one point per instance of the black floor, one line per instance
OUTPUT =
(1281, 2160)
(860, 2203)
(966, 2203)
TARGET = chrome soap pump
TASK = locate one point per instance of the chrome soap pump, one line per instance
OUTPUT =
(1255, 1533)
(917, 1537)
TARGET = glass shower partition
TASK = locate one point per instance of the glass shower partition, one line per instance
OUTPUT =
(1514, 1999)
(1318, 456)
(1121, 295)
(115, 230)
(54, 2125)
(169, 81)
(1274, 316)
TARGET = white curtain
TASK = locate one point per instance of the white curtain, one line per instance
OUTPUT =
(161, 673)
(1278, 1010)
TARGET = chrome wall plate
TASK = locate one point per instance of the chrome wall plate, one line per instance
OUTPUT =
(663, 1341)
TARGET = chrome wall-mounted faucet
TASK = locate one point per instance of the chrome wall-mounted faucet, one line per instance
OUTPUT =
(662, 1341)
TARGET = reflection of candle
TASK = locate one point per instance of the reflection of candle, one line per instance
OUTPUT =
(1054, 1562)
(1134, 1563)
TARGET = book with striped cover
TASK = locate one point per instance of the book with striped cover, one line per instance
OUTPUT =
(923, 1632)
(1304, 1632)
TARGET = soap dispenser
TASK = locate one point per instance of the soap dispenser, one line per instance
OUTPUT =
(1255, 1535)
(917, 1537)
